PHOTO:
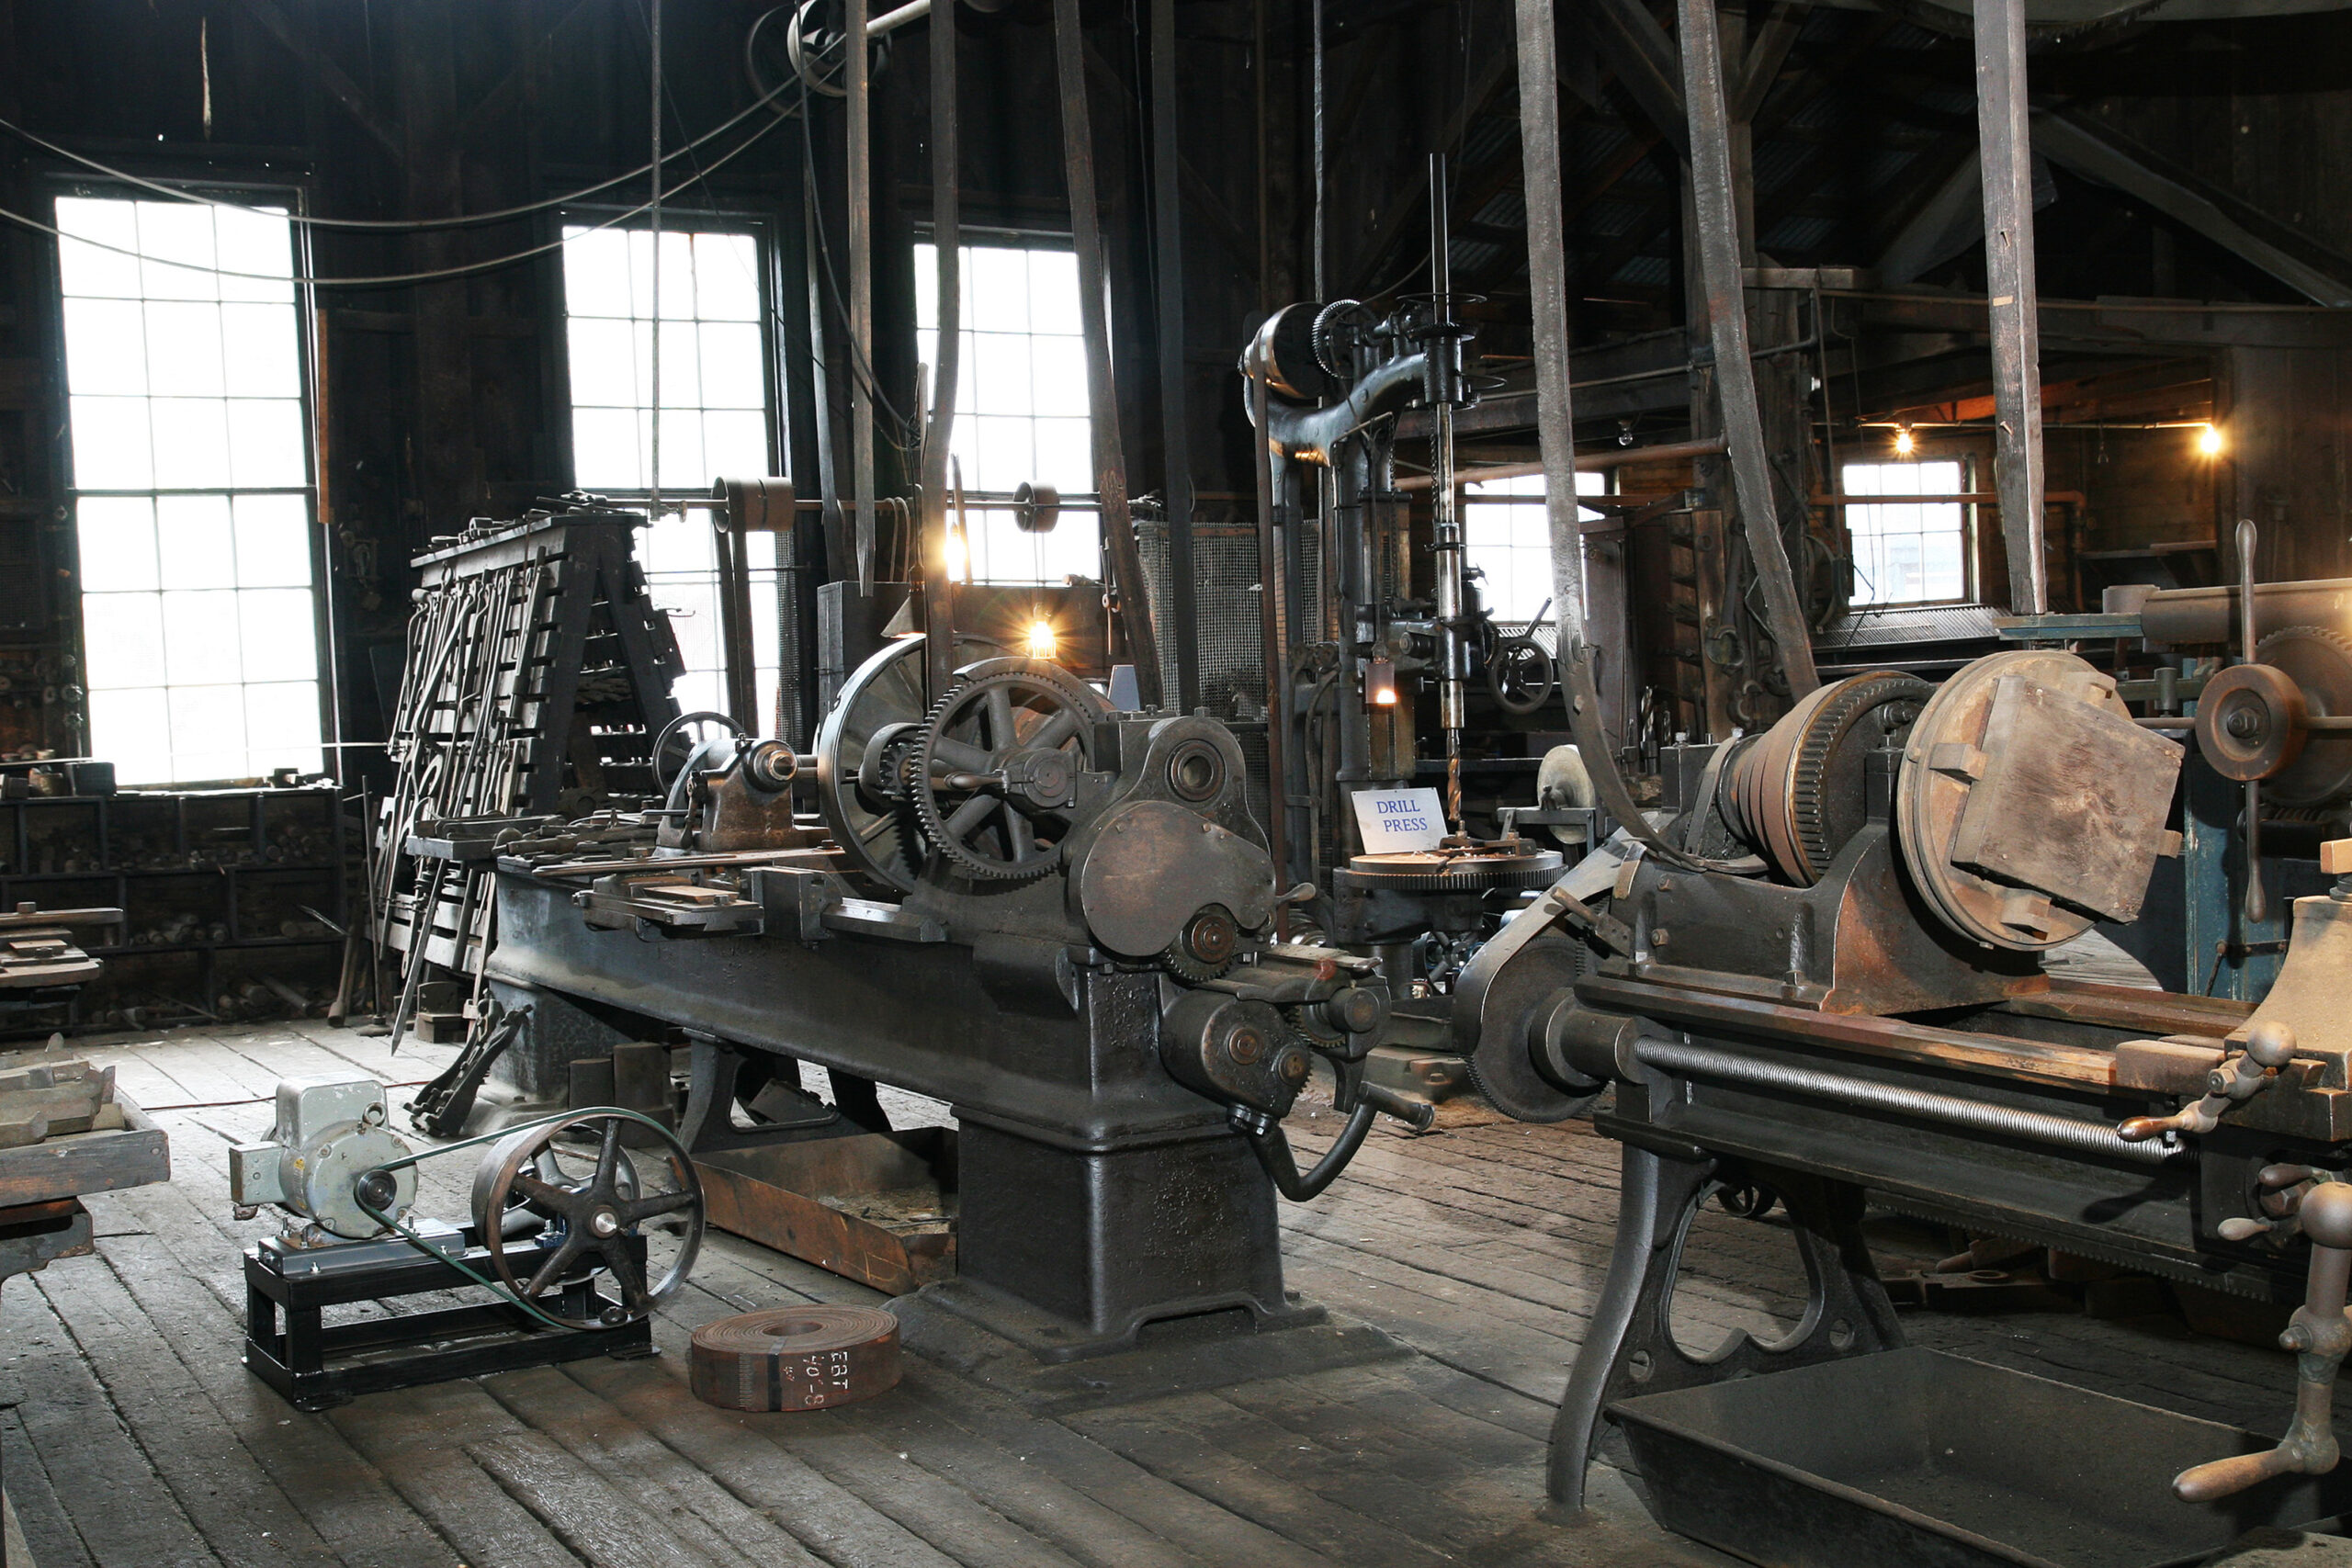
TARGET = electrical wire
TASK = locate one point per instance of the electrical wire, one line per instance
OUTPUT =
(402, 225)
(397, 279)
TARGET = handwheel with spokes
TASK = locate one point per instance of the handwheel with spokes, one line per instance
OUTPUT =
(1521, 675)
(995, 780)
(595, 1205)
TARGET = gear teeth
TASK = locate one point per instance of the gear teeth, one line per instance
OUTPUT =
(1823, 734)
(929, 822)
(1191, 970)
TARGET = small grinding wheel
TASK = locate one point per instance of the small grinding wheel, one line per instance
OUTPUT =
(797, 1357)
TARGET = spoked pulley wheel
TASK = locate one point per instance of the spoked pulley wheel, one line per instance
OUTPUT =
(597, 1197)
(996, 777)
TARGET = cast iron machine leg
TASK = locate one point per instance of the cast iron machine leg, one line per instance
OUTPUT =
(1629, 1349)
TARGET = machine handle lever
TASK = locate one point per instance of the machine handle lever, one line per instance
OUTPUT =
(2269, 1045)
(2320, 1334)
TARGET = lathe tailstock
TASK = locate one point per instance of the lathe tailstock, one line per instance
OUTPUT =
(1825, 982)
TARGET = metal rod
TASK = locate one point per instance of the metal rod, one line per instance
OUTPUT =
(1134, 594)
(2004, 1121)
(1445, 496)
(1175, 429)
(2007, 153)
(891, 21)
(1539, 136)
(1589, 463)
(653, 222)
(947, 240)
(1271, 646)
(1714, 202)
(861, 289)
(2258, 903)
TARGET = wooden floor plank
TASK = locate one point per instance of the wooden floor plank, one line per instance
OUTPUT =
(353, 1507)
(1176, 1438)
(707, 1516)
(121, 1508)
(971, 1529)
(582, 1509)
(48, 1530)
(416, 1438)
(1164, 1508)
(243, 1515)
(833, 1523)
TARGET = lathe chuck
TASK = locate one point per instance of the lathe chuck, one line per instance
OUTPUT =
(796, 1357)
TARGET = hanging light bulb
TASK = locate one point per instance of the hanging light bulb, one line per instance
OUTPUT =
(1041, 639)
(2209, 441)
(1903, 445)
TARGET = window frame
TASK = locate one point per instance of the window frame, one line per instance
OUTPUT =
(295, 198)
(992, 504)
(675, 219)
(686, 500)
(1534, 499)
(1970, 587)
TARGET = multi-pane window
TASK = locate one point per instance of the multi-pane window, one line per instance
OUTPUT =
(714, 414)
(1021, 415)
(1907, 552)
(1507, 536)
(191, 484)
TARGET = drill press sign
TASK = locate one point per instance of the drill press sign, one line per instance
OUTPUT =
(1397, 821)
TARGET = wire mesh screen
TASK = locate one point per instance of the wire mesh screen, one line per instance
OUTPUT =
(1225, 609)
(785, 722)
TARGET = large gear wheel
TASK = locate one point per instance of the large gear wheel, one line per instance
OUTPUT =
(1797, 791)
(995, 775)
(863, 799)
(2320, 663)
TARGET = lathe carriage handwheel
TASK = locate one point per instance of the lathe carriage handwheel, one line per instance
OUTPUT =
(595, 1216)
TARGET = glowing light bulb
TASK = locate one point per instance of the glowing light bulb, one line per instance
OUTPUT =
(959, 557)
(1041, 639)
(1903, 445)
(1380, 682)
(2209, 441)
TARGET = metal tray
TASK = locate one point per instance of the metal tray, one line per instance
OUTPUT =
(1917, 1459)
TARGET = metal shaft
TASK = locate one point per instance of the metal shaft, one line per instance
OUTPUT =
(2258, 903)
(1445, 387)
(861, 289)
(2036, 1126)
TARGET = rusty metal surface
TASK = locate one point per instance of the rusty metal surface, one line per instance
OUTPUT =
(797, 1357)
(2026, 791)
(2250, 722)
(867, 1206)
